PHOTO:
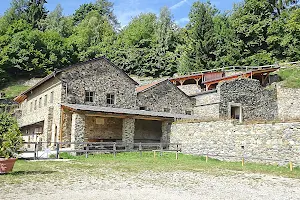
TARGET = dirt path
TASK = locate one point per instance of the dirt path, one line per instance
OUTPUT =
(159, 186)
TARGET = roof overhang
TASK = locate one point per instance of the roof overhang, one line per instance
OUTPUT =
(124, 113)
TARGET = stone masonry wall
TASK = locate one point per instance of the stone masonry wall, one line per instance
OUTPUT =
(77, 130)
(207, 105)
(128, 131)
(102, 78)
(190, 89)
(256, 142)
(165, 95)
(288, 100)
(147, 131)
(257, 103)
(103, 128)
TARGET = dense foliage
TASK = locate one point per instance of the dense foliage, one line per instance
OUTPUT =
(33, 41)
(10, 136)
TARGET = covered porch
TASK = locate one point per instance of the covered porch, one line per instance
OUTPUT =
(83, 123)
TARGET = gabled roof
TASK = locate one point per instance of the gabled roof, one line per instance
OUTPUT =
(23, 96)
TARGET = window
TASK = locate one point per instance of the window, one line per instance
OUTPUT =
(89, 96)
(110, 99)
(142, 108)
(51, 97)
(166, 109)
(188, 112)
(35, 104)
(31, 106)
(40, 102)
(45, 100)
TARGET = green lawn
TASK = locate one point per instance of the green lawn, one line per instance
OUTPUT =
(128, 163)
(290, 77)
(14, 90)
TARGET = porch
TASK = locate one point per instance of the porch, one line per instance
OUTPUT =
(83, 123)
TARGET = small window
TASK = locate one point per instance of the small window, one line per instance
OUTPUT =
(35, 104)
(110, 99)
(166, 109)
(89, 96)
(31, 105)
(40, 102)
(45, 100)
(142, 108)
(51, 97)
(188, 112)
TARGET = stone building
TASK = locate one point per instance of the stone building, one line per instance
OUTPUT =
(96, 101)
(242, 99)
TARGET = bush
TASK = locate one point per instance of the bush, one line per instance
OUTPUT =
(10, 136)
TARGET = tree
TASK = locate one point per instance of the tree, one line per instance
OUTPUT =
(90, 34)
(35, 12)
(251, 21)
(55, 21)
(227, 50)
(103, 7)
(198, 53)
(164, 44)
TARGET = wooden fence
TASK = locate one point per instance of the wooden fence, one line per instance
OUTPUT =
(97, 147)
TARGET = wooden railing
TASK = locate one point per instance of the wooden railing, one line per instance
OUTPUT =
(40, 149)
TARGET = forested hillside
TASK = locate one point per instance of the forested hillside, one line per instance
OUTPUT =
(34, 41)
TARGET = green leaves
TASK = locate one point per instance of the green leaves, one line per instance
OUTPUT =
(10, 136)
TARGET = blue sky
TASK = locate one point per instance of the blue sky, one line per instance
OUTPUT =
(126, 9)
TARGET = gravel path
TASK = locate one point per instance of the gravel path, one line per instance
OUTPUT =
(158, 186)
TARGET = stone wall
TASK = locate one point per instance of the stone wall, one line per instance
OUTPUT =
(128, 131)
(257, 103)
(279, 142)
(165, 95)
(102, 78)
(98, 128)
(207, 105)
(147, 131)
(288, 100)
(77, 131)
(190, 89)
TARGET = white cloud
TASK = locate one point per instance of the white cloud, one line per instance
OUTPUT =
(179, 4)
(126, 10)
(182, 21)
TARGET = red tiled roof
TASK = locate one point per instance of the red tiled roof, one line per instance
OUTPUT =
(144, 87)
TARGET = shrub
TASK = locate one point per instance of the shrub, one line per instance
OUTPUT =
(10, 136)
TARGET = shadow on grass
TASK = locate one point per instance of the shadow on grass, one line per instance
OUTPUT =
(20, 173)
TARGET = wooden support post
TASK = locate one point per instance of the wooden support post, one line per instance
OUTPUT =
(177, 152)
(291, 166)
(243, 161)
(114, 149)
(57, 150)
(161, 149)
(154, 154)
(206, 158)
(87, 150)
(35, 150)
(140, 149)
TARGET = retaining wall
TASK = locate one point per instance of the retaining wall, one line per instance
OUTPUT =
(268, 143)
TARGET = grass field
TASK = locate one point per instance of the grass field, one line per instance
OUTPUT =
(13, 90)
(290, 77)
(129, 163)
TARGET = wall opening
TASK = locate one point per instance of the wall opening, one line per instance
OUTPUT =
(236, 112)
